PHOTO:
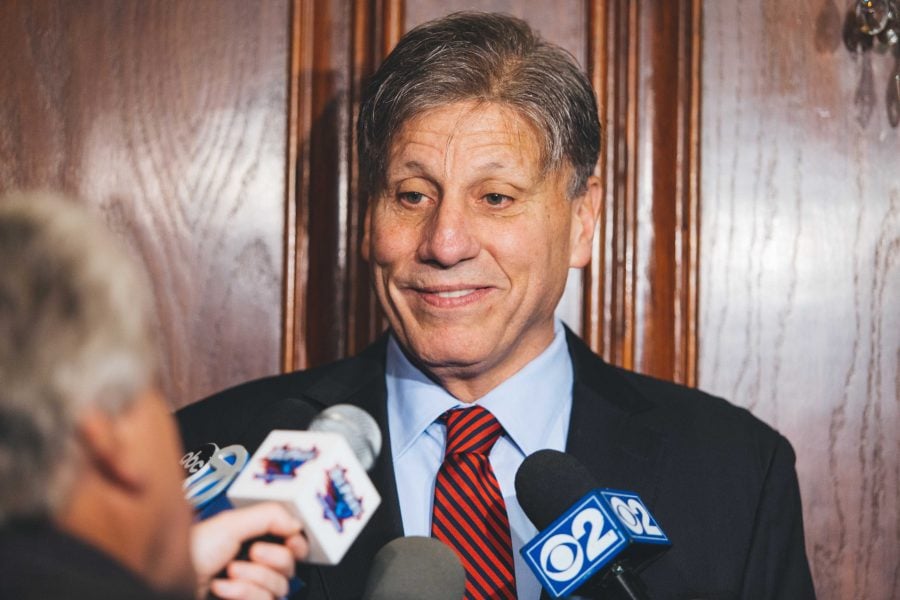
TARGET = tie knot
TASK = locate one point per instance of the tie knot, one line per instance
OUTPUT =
(470, 430)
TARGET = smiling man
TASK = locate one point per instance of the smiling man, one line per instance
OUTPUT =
(478, 143)
(470, 242)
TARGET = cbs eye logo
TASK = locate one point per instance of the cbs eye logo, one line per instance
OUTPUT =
(601, 527)
(562, 555)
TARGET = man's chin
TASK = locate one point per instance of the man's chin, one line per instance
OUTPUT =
(460, 359)
(450, 350)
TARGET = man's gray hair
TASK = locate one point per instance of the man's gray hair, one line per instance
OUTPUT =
(482, 57)
(75, 334)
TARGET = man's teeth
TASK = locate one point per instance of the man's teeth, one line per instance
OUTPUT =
(454, 293)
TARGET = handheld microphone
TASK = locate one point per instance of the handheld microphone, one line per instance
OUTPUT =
(416, 568)
(209, 471)
(591, 540)
(318, 478)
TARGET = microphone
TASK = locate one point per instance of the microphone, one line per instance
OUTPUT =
(416, 568)
(209, 471)
(317, 477)
(591, 540)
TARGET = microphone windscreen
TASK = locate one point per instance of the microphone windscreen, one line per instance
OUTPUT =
(416, 568)
(548, 483)
(358, 428)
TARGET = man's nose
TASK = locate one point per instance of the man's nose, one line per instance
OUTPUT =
(449, 236)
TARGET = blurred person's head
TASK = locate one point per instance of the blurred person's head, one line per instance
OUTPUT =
(86, 440)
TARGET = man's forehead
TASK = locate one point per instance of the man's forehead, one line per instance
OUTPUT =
(490, 136)
(476, 120)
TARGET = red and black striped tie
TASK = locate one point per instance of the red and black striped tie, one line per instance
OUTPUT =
(469, 512)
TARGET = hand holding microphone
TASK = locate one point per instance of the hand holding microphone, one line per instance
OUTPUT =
(319, 477)
(216, 541)
(290, 473)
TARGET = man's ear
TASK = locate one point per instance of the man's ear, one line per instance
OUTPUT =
(101, 438)
(367, 221)
(585, 212)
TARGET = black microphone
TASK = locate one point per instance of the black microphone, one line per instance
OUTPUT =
(415, 568)
(591, 540)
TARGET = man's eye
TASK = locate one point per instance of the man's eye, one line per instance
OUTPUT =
(496, 199)
(412, 197)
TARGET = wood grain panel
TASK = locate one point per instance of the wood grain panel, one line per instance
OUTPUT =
(169, 118)
(640, 291)
(330, 310)
(800, 286)
(326, 35)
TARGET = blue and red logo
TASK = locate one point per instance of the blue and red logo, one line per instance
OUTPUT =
(282, 462)
(339, 501)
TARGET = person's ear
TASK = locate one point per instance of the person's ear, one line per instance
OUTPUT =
(101, 439)
(585, 212)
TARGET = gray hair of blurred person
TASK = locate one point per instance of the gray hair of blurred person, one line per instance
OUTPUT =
(75, 335)
(482, 57)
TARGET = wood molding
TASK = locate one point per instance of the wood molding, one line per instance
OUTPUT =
(296, 246)
(640, 291)
(329, 309)
(378, 27)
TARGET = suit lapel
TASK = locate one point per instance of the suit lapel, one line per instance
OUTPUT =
(606, 429)
(609, 431)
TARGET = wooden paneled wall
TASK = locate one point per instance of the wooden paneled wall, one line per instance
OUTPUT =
(169, 119)
(800, 268)
(749, 242)
(641, 293)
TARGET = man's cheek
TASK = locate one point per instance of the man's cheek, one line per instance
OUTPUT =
(391, 246)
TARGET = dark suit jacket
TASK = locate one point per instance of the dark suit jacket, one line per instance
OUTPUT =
(40, 562)
(720, 482)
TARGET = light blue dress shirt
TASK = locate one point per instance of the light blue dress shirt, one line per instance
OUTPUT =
(533, 406)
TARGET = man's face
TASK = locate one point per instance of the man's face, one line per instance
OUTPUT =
(470, 244)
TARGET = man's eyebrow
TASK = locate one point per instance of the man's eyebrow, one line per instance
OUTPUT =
(490, 166)
(415, 166)
(418, 169)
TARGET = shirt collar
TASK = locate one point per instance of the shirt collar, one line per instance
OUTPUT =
(526, 405)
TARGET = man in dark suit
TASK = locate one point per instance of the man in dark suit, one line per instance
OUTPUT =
(478, 143)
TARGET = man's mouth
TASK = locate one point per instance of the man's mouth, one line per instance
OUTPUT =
(452, 296)
(455, 293)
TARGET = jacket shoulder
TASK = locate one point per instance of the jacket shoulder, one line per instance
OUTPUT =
(681, 414)
(247, 412)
